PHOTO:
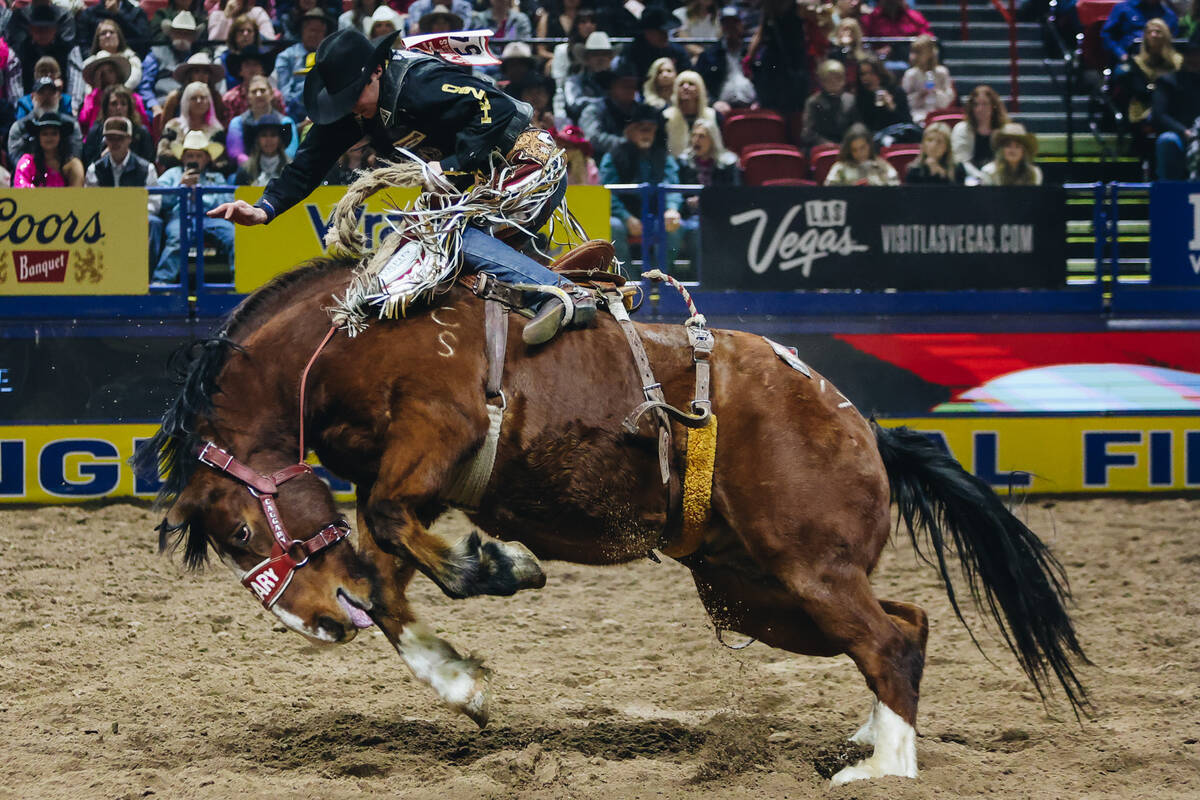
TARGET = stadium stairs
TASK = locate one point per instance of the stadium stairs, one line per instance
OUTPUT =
(1041, 106)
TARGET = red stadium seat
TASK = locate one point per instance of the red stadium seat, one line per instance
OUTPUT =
(1092, 16)
(822, 158)
(753, 127)
(766, 165)
(950, 116)
(758, 148)
(900, 156)
(788, 182)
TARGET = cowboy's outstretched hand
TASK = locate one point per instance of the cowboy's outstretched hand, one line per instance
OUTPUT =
(239, 212)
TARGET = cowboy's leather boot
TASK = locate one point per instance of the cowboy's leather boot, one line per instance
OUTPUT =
(548, 320)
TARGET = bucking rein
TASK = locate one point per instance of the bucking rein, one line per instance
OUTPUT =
(611, 291)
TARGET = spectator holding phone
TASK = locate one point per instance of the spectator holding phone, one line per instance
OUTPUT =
(196, 154)
(857, 163)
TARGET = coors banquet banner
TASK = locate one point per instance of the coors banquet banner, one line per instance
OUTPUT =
(867, 237)
(73, 241)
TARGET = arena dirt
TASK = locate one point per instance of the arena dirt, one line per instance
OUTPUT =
(122, 676)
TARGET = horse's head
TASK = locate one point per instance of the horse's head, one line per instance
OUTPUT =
(273, 523)
(283, 537)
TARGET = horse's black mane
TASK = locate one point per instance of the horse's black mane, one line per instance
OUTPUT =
(171, 452)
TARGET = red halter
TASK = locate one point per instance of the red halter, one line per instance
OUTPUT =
(271, 577)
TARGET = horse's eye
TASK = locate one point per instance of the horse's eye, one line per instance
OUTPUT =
(241, 536)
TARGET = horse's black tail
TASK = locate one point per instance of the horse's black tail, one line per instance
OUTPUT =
(1023, 584)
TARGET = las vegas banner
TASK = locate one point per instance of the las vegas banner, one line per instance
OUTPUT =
(865, 237)
(67, 241)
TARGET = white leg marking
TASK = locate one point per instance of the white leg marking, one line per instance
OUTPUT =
(461, 682)
(895, 750)
(866, 734)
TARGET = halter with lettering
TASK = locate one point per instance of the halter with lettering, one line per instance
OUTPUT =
(271, 577)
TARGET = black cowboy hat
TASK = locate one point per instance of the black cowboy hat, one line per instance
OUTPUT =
(318, 14)
(263, 55)
(270, 122)
(345, 61)
(50, 119)
(43, 16)
(655, 18)
(622, 69)
(641, 112)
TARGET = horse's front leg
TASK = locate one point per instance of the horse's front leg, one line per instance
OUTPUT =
(411, 478)
(461, 682)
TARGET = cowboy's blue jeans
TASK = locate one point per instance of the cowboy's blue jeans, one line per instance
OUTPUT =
(168, 262)
(484, 253)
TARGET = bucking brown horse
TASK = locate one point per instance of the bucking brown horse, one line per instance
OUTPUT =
(799, 509)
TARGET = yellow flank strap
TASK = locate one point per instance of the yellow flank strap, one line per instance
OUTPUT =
(697, 488)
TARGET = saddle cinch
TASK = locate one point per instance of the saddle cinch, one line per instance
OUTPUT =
(591, 266)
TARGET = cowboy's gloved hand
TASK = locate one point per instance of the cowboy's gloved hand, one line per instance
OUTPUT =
(435, 179)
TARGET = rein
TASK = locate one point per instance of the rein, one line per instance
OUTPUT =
(272, 575)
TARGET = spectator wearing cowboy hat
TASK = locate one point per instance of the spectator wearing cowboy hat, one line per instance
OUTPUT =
(158, 79)
(262, 97)
(46, 98)
(382, 22)
(102, 71)
(507, 21)
(516, 63)
(196, 154)
(604, 120)
(1015, 149)
(440, 18)
(268, 137)
(315, 25)
(46, 38)
(581, 168)
(47, 160)
(199, 68)
(19, 26)
(641, 157)
(590, 82)
(246, 65)
(161, 23)
(120, 166)
(109, 39)
(652, 43)
(537, 90)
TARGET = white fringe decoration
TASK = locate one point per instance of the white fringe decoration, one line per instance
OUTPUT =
(435, 222)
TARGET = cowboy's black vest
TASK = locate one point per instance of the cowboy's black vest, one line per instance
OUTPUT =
(135, 172)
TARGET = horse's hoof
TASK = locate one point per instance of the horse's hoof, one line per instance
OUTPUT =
(478, 706)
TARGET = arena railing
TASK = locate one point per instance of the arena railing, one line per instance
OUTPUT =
(1107, 282)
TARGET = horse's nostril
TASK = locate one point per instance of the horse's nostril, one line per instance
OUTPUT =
(335, 629)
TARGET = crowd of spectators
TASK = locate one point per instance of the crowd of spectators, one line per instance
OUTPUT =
(188, 92)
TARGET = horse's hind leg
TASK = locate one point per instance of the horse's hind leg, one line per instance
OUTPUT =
(825, 614)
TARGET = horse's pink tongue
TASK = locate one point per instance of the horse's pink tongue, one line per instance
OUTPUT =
(357, 615)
